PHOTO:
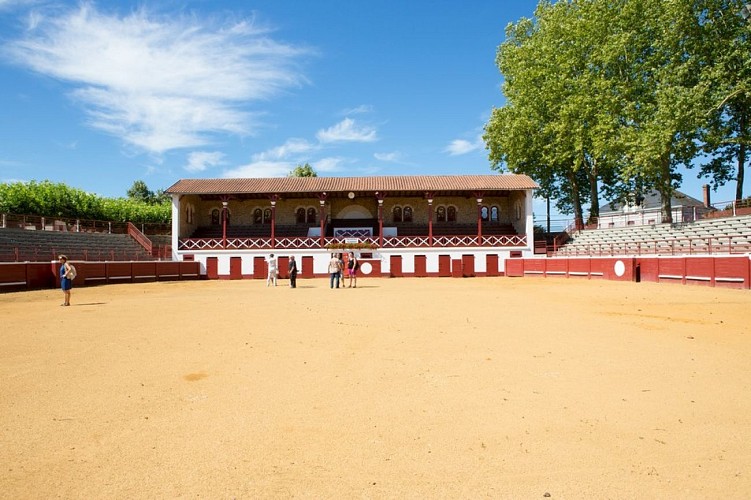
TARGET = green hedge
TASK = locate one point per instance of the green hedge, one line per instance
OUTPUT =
(47, 198)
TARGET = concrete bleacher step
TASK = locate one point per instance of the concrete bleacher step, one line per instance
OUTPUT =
(700, 236)
(45, 245)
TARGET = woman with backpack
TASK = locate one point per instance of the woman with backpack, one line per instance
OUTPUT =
(66, 279)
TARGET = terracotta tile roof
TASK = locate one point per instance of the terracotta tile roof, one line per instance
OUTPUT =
(497, 182)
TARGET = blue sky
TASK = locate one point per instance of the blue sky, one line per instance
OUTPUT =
(100, 94)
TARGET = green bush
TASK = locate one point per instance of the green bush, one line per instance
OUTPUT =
(47, 199)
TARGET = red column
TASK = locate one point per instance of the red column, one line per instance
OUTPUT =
(322, 216)
(224, 224)
(479, 221)
(430, 221)
(380, 221)
(273, 223)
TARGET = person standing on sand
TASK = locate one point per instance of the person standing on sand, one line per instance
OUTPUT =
(273, 270)
(292, 272)
(335, 270)
(352, 266)
(341, 270)
(66, 283)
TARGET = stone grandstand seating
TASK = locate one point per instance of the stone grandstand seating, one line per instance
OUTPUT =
(161, 240)
(726, 235)
(43, 246)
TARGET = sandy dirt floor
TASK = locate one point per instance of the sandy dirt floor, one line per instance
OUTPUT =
(401, 388)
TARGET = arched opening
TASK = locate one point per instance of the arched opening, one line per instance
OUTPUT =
(397, 213)
(407, 214)
(440, 214)
(300, 216)
(485, 213)
(354, 212)
(312, 215)
(451, 214)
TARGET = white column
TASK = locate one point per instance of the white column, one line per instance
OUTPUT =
(175, 225)
(530, 226)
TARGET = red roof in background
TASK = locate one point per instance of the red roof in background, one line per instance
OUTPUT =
(497, 182)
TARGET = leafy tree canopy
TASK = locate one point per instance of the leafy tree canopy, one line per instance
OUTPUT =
(140, 192)
(303, 171)
(46, 198)
(604, 97)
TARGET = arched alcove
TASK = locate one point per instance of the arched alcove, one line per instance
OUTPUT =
(354, 212)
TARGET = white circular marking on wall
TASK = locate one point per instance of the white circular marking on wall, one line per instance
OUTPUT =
(619, 268)
(366, 268)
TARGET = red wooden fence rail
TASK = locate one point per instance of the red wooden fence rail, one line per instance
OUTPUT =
(16, 276)
(726, 271)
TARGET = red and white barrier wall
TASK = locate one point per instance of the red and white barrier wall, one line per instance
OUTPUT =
(410, 263)
(720, 271)
(15, 276)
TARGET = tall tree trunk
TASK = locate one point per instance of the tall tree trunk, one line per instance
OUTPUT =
(576, 200)
(741, 157)
(594, 192)
(666, 189)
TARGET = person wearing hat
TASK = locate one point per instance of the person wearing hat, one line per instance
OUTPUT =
(66, 283)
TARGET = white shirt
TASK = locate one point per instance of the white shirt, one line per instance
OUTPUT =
(272, 263)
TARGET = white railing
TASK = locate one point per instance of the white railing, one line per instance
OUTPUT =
(673, 246)
(653, 216)
(407, 241)
(297, 243)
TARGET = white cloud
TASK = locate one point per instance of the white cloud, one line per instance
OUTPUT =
(461, 146)
(291, 147)
(261, 169)
(11, 4)
(362, 108)
(160, 83)
(269, 168)
(328, 165)
(347, 131)
(394, 157)
(280, 160)
(198, 161)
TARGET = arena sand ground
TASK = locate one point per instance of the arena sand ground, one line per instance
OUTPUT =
(402, 388)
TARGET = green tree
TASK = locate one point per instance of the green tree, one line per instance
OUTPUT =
(139, 191)
(726, 73)
(161, 197)
(613, 91)
(559, 120)
(661, 127)
(303, 171)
